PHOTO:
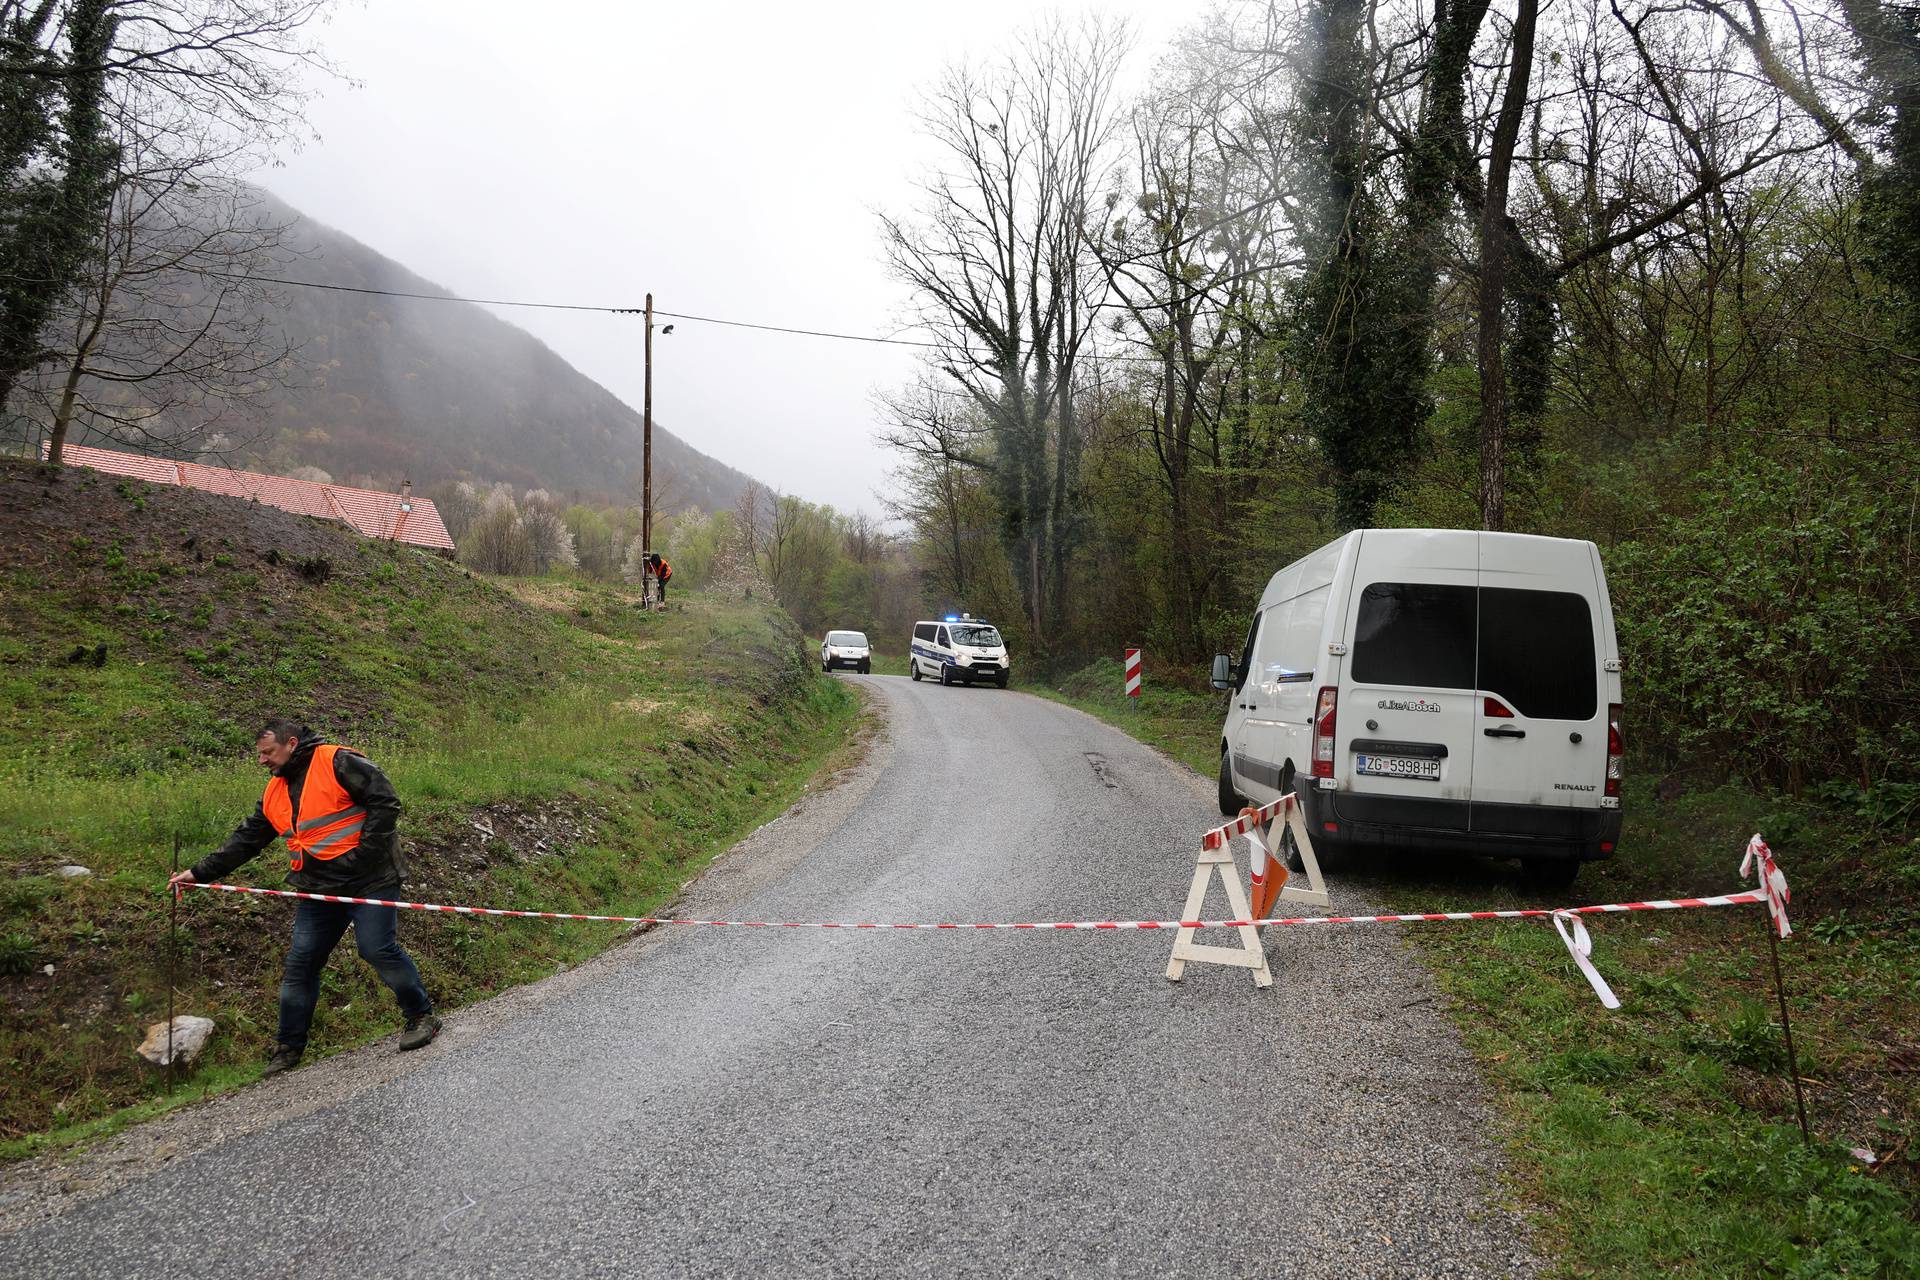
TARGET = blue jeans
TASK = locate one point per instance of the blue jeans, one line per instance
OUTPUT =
(317, 927)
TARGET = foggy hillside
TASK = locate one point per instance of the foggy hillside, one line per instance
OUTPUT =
(392, 388)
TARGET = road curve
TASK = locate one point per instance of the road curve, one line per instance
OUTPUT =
(712, 1102)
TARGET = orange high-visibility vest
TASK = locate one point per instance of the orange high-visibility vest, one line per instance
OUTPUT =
(329, 822)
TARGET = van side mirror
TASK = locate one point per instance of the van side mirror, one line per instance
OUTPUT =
(1222, 671)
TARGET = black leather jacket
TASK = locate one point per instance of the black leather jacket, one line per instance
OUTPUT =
(375, 864)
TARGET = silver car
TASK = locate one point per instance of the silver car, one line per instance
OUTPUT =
(846, 649)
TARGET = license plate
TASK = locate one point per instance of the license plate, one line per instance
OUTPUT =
(1398, 767)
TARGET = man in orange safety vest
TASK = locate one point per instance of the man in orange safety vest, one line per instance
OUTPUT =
(338, 815)
(661, 570)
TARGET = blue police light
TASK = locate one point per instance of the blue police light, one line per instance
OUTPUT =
(953, 617)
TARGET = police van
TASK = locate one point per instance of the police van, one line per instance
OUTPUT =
(959, 648)
(1435, 688)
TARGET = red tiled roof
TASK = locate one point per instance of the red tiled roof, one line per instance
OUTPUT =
(367, 511)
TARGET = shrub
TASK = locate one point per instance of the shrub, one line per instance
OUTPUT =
(1772, 625)
(16, 953)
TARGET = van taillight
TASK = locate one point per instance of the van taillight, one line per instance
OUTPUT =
(1616, 750)
(1323, 733)
(1494, 709)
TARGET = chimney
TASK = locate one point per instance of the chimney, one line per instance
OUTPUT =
(406, 495)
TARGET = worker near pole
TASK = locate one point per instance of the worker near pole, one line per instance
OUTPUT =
(661, 570)
(338, 814)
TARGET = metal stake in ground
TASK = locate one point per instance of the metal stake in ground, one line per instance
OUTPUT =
(173, 942)
(1786, 1028)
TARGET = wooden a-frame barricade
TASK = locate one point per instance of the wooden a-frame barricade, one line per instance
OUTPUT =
(1269, 879)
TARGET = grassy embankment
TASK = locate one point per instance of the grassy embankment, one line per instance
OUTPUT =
(1660, 1138)
(555, 747)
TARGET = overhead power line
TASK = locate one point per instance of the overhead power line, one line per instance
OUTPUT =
(634, 311)
(811, 333)
(578, 306)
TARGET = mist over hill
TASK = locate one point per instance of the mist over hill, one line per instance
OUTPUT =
(440, 391)
(385, 389)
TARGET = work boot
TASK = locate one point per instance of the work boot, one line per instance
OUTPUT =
(420, 1032)
(284, 1057)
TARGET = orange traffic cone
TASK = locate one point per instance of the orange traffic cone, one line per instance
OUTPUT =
(1267, 874)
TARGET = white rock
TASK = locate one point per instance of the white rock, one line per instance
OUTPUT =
(190, 1036)
(71, 872)
(47, 969)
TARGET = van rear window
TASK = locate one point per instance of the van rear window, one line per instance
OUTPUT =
(1536, 651)
(1415, 633)
(1535, 647)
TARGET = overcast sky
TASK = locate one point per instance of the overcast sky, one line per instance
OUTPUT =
(728, 157)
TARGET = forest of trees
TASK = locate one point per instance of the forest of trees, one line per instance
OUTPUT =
(1641, 274)
(1644, 275)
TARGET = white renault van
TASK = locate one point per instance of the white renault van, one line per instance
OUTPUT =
(959, 648)
(1436, 688)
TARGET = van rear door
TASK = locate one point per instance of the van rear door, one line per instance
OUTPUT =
(1540, 727)
(1406, 713)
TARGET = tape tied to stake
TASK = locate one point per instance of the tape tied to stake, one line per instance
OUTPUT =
(1773, 882)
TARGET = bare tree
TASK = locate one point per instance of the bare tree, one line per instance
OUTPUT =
(497, 541)
(549, 542)
(866, 542)
(786, 518)
(942, 484)
(55, 159)
(800, 548)
(172, 337)
(459, 505)
(1494, 246)
(1184, 265)
(70, 66)
(1000, 262)
(750, 516)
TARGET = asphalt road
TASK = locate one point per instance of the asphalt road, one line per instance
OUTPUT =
(717, 1102)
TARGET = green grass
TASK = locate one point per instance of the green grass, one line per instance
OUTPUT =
(554, 746)
(1660, 1138)
(1183, 722)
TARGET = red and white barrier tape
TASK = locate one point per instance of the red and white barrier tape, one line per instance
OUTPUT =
(1573, 932)
(1526, 913)
(1772, 882)
(1250, 819)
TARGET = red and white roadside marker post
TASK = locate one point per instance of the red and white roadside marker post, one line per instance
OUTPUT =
(1132, 667)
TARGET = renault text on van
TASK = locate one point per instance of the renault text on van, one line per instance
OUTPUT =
(1435, 688)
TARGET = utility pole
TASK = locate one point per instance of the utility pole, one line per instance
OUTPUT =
(646, 467)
